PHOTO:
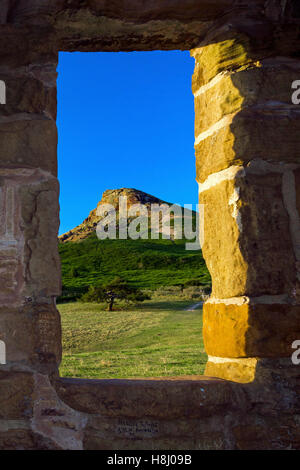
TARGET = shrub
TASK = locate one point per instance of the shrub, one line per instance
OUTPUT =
(118, 289)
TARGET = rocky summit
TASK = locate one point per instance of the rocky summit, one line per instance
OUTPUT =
(110, 196)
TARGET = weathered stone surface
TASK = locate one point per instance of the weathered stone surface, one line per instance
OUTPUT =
(157, 414)
(114, 26)
(160, 398)
(28, 94)
(11, 247)
(268, 433)
(237, 370)
(250, 115)
(156, 434)
(250, 134)
(241, 45)
(250, 330)
(213, 440)
(130, 10)
(9, 272)
(16, 398)
(32, 335)
(27, 46)
(28, 234)
(25, 142)
(119, 25)
(230, 53)
(169, 25)
(297, 181)
(274, 401)
(245, 224)
(252, 437)
(54, 419)
(40, 221)
(15, 435)
(245, 87)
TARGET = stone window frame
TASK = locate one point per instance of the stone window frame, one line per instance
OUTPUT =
(207, 411)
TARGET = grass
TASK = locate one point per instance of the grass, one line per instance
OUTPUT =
(143, 263)
(157, 338)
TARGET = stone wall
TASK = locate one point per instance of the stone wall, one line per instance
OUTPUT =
(248, 159)
(248, 169)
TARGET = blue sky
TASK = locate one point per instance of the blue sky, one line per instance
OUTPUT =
(124, 120)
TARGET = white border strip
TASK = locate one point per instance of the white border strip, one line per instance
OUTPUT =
(222, 360)
(225, 121)
(223, 175)
(211, 83)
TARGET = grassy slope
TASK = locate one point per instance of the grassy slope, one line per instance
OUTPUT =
(152, 340)
(145, 263)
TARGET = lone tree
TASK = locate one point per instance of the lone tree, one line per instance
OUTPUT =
(118, 288)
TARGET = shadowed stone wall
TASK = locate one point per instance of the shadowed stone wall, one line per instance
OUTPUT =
(248, 169)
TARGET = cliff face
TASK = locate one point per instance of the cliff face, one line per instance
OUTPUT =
(110, 196)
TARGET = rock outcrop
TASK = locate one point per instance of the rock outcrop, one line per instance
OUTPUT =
(110, 196)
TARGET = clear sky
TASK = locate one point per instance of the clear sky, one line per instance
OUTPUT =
(124, 120)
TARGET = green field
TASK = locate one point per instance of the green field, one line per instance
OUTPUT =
(157, 338)
(143, 263)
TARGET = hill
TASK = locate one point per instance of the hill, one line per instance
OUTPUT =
(146, 263)
(110, 196)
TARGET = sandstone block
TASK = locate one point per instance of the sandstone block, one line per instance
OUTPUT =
(28, 94)
(19, 436)
(247, 243)
(271, 377)
(297, 183)
(10, 244)
(27, 46)
(236, 370)
(16, 398)
(29, 211)
(40, 221)
(267, 134)
(54, 419)
(253, 86)
(264, 432)
(32, 336)
(225, 54)
(165, 398)
(9, 269)
(29, 143)
(250, 330)
(206, 441)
